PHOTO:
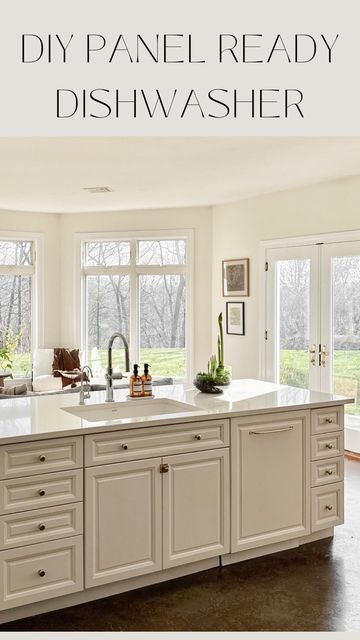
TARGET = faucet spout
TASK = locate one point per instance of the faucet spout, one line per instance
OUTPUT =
(109, 371)
(84, 394)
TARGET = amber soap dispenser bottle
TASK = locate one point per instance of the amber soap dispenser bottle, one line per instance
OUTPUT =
(135, 383)
(146, 382)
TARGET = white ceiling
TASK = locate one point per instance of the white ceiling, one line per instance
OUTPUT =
(49, 174)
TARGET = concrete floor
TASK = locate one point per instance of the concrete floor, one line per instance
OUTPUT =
(312, 588)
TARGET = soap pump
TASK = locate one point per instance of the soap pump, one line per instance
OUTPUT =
(135, 383)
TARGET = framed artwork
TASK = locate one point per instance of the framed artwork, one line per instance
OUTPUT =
(235, 318)
(235, 277)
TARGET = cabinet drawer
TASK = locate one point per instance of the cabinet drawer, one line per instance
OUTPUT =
(327, 506)
(117, 446)
(327, 471)
(50, 489)
(40, 572)
(327, 445)
(29, 458)
(327, 419)
(41, 525)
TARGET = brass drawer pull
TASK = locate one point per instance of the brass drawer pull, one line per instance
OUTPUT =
(329, 445)
(42, 527)
(198, 436)
(42, 458)
(125, 447)
(329, 472)
(265, 432)
(329, 420)
(42, 492)
(42, 573)
(328, 507)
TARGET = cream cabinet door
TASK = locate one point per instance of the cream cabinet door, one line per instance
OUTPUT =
(195, 507)
(122, 521)
(270, 479)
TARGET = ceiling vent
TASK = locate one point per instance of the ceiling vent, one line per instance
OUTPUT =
(98, 189)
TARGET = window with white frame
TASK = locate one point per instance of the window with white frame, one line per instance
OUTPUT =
(140, 287)
(17, 271)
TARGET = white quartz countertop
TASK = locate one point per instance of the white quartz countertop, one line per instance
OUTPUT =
(42, 417)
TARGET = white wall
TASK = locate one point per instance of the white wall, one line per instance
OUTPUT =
(198, 219)
(238, 229)
(48, 225)
(228, 231)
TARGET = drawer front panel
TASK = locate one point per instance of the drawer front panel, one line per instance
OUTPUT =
(327, 445)
(327, 471)
(24, 494)
(119, 446)
(30, 458)
(327, 419)
(39, 572)
(327, 506)
(41, 525)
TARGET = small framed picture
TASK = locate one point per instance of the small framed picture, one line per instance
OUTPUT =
(235, 318)
(236, 277)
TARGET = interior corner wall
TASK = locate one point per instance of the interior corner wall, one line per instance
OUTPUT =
(239, 228)
(197, 218)
(48, 225)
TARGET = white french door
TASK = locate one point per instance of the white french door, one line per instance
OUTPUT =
(313, 322)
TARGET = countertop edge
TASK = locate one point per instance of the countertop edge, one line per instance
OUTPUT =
(186, 418)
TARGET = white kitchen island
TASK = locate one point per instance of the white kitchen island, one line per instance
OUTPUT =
(95, 506)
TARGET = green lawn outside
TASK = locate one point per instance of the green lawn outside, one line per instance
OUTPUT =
(294, 367)
(164, 362)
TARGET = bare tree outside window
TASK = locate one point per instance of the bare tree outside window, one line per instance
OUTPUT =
(16, 268)
(157, 300)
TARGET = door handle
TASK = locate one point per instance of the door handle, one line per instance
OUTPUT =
(322, 355)
(312, 352)
(266, 431)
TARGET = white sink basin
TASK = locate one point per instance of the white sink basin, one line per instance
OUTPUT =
(129, 409)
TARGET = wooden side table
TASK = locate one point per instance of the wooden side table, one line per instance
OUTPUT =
(3, 375)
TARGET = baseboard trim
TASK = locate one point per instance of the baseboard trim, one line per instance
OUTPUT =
(96, 593)
(104, 591)
(258, 552)
(351, 455)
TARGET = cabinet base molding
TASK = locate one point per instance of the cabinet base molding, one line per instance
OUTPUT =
(258, 552)
(96, 593)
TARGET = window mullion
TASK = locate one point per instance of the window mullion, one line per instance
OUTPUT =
(134, 305)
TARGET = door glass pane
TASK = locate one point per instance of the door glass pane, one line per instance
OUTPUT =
(293, 286)
(346, 332)
(108, 311)
(162, 323)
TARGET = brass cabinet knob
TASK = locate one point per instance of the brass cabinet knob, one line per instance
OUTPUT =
(329, 445)
(329, 472)
(329, 420)
(42, 527)
(41, 573)
(328, 507)
(198, 436)
(42, 458)
(42, 492)
(125, 446)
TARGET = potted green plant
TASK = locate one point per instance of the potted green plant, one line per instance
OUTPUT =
(8, 349)
(5, 359)
(223, 374)
(206, 382)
